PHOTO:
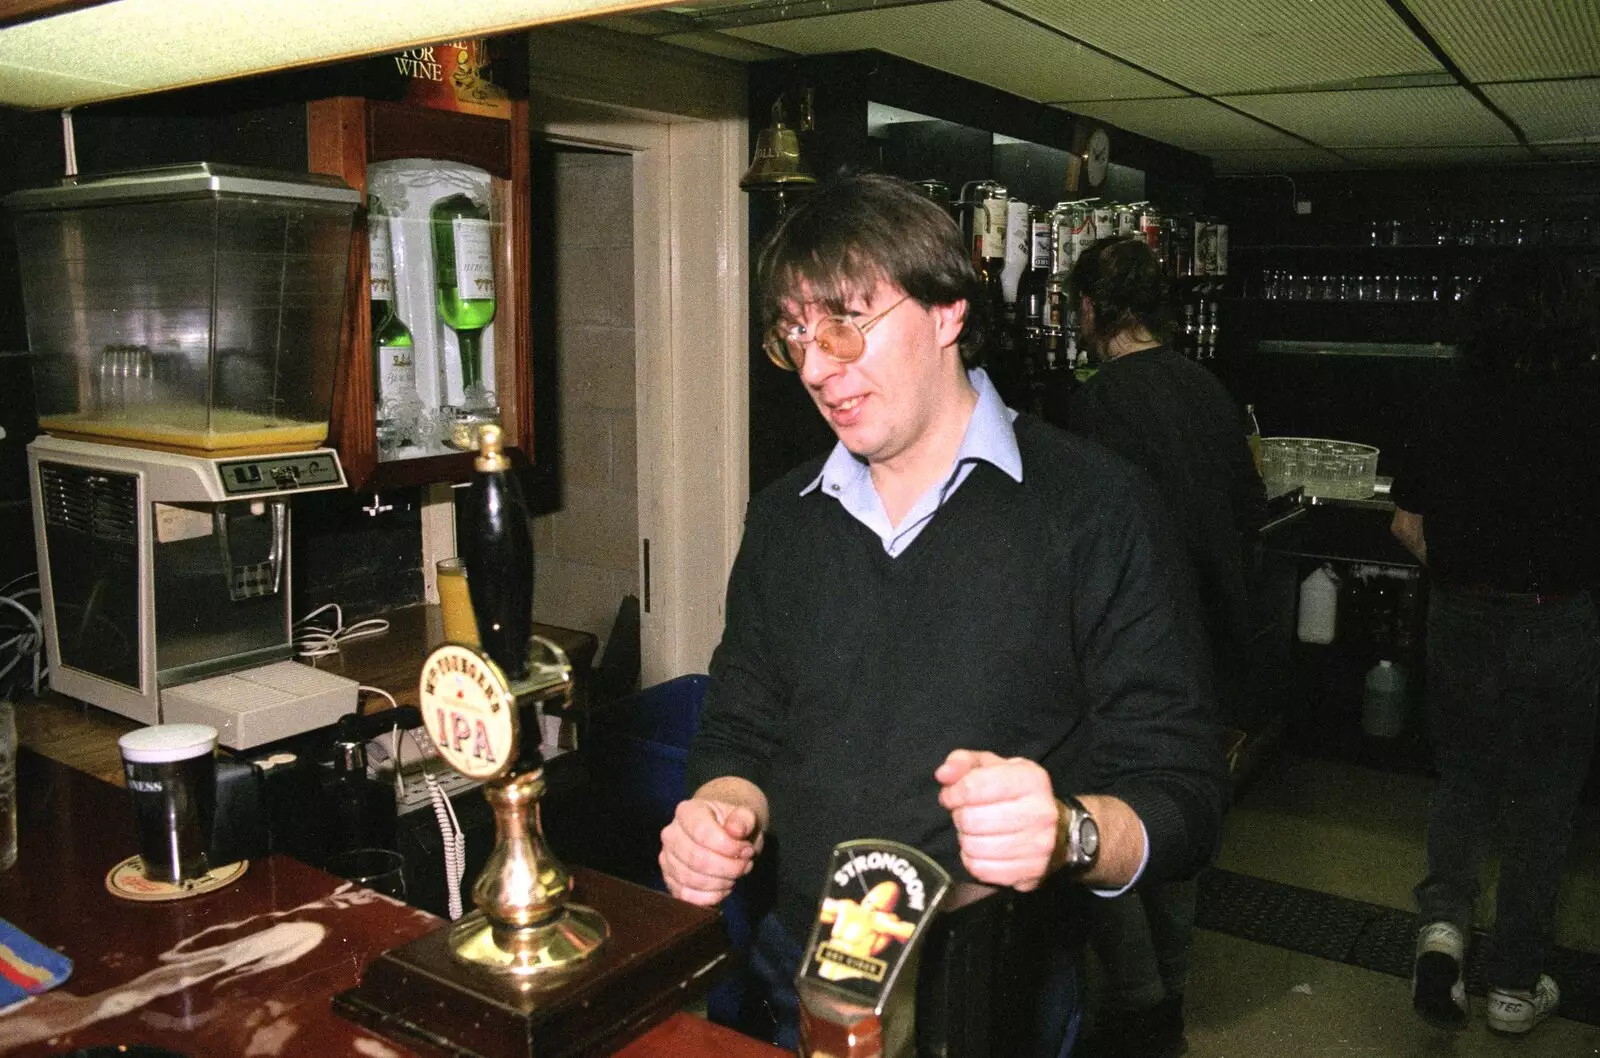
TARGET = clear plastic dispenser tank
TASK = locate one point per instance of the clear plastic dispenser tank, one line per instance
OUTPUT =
(194, 307)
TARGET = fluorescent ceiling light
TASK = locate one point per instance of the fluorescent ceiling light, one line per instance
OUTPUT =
(132, 47)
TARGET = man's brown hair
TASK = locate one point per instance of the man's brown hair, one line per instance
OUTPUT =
(856, 230)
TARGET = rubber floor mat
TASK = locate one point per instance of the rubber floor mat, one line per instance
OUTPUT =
(1370, 936)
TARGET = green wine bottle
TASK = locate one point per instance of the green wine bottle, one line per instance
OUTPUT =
(394, 364)
(464, 278)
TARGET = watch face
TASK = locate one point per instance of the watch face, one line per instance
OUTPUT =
(1089, 838)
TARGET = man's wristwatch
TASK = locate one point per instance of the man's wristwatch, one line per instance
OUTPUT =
(1077, 835)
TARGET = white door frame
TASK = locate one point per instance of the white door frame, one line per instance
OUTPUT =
(690, 234)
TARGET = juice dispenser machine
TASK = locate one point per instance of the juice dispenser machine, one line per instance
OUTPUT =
(185, 327)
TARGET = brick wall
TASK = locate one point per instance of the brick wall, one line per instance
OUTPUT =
(588, 549)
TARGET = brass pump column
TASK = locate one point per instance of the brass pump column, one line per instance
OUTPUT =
(472, 700)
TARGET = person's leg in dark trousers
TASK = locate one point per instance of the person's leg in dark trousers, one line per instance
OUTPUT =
(771, 1008)
(1553, 676)
(1119, 933)
(1142, 940)
(1170, 909)
(1465, 678)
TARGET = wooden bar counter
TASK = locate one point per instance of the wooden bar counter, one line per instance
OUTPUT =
(250, 969)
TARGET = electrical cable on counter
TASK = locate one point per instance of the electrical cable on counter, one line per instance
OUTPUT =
(320, 641)
(29, 642)
(453, 837)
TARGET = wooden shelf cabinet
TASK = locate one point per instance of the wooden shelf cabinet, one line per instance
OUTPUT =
(345, 134)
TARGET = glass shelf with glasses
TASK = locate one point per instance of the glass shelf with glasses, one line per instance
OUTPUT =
(1493, 232)
(1407, 350)
(1578, 230)
(1421, 288)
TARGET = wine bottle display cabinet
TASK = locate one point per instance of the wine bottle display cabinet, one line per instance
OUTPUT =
(439, 179)
(434, 393)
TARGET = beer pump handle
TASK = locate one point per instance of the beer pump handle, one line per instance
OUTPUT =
(498, 550)
(878, 899)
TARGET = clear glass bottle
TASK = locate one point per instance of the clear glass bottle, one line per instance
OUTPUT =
(989, 245)
(1213, 330)
(464, 281)
(1033, 285)
(394, 363)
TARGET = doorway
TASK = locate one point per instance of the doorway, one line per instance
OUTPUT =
(676, 177)
(587, 549)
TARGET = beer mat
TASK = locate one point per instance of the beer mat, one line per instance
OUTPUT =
(127, 880)
(26, 966)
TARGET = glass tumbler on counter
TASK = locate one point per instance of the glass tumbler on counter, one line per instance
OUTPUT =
(381, 870)
(455, 604)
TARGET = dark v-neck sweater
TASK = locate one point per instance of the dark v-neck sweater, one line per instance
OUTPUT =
(1020, 614)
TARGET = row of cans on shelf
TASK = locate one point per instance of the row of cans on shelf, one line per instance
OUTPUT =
(1187, 245)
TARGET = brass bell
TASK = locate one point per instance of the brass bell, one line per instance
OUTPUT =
(778, 163)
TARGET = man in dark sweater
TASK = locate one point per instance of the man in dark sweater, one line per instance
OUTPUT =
(1174, 420)
(923, 629)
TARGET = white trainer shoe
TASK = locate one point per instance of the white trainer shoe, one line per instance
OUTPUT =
(1438, 993)
(1516, 1012)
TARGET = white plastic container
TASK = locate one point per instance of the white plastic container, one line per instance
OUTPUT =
(1319, 606)
(1384, 704)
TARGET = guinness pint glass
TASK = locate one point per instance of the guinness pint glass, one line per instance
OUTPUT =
(172, 776)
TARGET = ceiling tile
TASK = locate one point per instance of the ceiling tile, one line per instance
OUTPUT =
(970, 39)
(1551, 110)
(1194, 123)
(1436, 117)
(1274, 161)
(1429, 157)
(722, 45)
(1513, 39)
(1243, 45)
(1566, 152)
(29, 88)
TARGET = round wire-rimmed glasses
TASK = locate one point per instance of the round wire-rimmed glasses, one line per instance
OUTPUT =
(841, 338)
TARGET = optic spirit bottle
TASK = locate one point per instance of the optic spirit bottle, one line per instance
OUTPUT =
(989, 244)
(464, 279)
(394, 363)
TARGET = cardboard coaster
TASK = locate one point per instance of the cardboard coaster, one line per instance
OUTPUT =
(127, 880)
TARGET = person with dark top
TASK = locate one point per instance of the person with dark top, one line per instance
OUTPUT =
(1174, 420)
(924, 627)
(1501, 504)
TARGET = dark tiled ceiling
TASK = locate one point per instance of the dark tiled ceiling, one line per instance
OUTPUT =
(1253, 84)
